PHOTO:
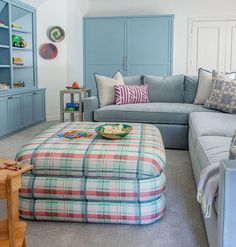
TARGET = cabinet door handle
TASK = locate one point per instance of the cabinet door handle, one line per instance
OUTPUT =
(126, 64)
(34, 93)
(10, 97)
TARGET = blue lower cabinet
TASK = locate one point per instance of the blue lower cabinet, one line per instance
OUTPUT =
(39, 106)
(21, 110)
(4, 116)
(15, 112)
(28, 109)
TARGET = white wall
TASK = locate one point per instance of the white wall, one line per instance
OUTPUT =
(76, 9)
(52, 73)
(181, 8)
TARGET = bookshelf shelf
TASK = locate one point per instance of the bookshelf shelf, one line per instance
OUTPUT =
(21, 49)
(5, 66)
(20, 31)
(4, 27)
(4, 46)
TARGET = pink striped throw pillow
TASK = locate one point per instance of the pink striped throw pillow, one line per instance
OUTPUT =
(131, 94)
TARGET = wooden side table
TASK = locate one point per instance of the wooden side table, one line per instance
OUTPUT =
(72, 92)
(12, 231)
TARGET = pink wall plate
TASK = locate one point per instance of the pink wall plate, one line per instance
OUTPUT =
(49, 51)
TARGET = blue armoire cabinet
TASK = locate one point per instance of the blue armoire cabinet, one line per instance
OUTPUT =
(133, 45)
(22, 103)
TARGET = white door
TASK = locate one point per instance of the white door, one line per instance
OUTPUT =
(207, 46)
(230, 58)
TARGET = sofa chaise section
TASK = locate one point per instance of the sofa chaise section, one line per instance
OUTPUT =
(210, 137)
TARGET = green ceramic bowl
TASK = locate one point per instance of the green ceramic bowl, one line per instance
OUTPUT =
(126, 130)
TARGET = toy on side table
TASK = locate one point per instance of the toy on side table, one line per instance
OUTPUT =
(75, 85)
(72, 106)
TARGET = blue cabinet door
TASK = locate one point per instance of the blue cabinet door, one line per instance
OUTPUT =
(39, 107)
(4, 117)
(149, 46)
(15, 112)
(104, 53)
(28, 109)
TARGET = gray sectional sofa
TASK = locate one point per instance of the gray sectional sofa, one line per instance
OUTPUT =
(207, 134)
(171, 103)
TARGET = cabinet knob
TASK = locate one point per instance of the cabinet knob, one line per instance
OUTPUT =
(10, 97)
(34, 93)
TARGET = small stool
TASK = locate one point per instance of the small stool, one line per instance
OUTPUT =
(12, 231)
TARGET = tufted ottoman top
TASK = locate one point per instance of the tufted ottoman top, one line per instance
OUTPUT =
(138, 156)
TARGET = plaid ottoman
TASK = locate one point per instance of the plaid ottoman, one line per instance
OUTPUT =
(94, 179)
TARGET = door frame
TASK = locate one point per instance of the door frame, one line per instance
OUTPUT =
(191, 21)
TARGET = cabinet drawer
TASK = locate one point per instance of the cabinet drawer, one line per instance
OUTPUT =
(4, 116)
(15, 112)
(39, 106)
(28, 109)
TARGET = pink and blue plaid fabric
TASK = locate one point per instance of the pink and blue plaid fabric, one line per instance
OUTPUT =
(93, 211)
(125, 177)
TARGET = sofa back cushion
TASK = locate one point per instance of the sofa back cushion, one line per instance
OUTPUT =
(190, 88)
(105, 88)
(168, 89)
(223, 93)
(133, 80)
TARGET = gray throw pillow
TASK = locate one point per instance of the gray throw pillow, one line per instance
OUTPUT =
(105, 88)
(223, 93)
(133, 80)
(190, 88)
(232, 152)
(168, 89)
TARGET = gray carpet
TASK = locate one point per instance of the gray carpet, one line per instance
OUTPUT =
(182, 225)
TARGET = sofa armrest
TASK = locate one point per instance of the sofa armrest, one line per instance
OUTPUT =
(227, 205)
(91, 104)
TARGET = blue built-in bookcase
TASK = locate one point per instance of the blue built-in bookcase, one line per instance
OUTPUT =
(134, 45)
(22, 103)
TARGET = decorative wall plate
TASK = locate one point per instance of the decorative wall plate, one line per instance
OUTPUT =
(56, 34)
(49, 51)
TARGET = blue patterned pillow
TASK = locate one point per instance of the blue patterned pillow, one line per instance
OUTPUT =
(223, 93)
(232, 152)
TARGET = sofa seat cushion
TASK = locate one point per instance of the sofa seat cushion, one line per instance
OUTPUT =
(212, 149)
(212, 124)
(161, 113)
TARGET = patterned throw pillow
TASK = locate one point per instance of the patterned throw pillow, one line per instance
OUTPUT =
(105, 88)
(204, 86)
(232, 153)
(223, 93)
(131, 94)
